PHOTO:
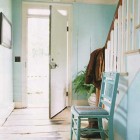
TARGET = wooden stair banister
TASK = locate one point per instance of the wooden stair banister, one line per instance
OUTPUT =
(112, 24)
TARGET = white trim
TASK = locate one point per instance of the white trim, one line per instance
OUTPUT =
(128, 47)
(23, 57)
(115, 44)
(70, 17)
(108, 56)
(122, 64)
(119, 39)
(133, 25)
(112, 50)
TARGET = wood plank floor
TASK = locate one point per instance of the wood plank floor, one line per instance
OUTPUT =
(34, 124)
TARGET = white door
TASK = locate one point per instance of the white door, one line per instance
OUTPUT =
(58, 62)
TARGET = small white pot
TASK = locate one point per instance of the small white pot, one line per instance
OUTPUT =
(92, 99)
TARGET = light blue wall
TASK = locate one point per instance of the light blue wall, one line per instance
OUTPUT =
(91, 24)
(121, 110)
(133, 119)
(6, 79)
(127, 114)
(5, 7)
(17, 49)
(90, 28)
(6, 69)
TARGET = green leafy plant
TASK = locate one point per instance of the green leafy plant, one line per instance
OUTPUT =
(79, 86)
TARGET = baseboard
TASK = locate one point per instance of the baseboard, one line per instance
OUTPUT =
(5, 111)
(19, 105)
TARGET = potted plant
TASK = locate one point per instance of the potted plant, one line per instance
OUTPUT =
(79, 87)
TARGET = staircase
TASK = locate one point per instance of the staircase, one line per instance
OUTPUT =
(123, 36)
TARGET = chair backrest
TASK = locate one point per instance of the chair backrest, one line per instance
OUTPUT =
(108, 93)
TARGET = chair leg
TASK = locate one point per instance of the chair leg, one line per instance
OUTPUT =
(110, 129)
(78, 128)
(100, 125)
(72, 127)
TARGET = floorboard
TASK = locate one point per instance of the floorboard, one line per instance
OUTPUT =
(34, 124)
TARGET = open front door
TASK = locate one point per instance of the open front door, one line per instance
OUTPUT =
(58, 62)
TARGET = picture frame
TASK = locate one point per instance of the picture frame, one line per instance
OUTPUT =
(5, 31)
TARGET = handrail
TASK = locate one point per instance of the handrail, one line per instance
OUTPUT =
(112, 24)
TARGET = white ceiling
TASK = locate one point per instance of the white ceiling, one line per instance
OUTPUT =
(89, 1)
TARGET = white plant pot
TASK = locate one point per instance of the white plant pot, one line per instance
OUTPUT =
(92, 99)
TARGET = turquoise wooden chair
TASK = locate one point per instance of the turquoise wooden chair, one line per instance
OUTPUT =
(107, 99)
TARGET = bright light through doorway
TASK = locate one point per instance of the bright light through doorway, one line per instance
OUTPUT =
(38, 62)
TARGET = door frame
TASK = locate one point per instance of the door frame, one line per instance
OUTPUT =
(25, 6)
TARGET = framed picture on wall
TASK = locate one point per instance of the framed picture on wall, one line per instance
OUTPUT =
(5, 31)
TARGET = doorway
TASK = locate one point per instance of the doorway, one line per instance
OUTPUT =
(41, 56)
(38, 58)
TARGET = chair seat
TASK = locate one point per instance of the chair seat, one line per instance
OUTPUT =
(89, 110)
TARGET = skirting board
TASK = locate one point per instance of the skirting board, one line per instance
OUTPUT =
(5, 111)
(19, 105)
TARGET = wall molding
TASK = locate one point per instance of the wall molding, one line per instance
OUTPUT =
(98, 1)
(107, 2)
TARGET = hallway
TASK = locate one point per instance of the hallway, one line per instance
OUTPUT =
(34, 124)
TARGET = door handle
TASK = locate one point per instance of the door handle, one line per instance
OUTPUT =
(53, 65)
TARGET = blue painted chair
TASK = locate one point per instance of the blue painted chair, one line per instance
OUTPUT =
(107, 99)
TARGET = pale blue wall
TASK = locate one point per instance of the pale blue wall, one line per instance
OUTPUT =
(6, 8)
(90, 29)
(6, 80)
(133, 119)
(6, 69)
(17, 43)
(121, 111)
(127, 114)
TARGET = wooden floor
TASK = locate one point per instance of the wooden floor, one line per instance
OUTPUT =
(34, 124)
